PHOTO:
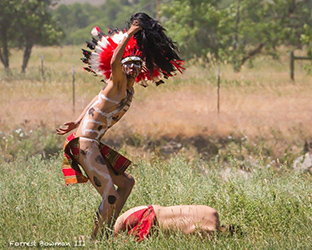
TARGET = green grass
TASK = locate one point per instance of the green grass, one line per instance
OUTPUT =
(273, 209)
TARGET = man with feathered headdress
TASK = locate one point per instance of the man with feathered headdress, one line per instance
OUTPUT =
(143, 53)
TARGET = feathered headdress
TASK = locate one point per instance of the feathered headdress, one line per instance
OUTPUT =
(103, 49)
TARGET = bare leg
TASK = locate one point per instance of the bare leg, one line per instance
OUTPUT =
(100, 177)
(125, 183)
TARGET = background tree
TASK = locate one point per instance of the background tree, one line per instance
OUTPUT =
(235, 31)
(24, 24)
(306, 39)
(195, 25)
(74, 19)
(265, 25)
(36, 26)
(111, 14)
(7, 35)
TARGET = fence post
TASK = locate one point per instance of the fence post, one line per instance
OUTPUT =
(292, 66)
(218, 79)
(73, 73)
(42, 69)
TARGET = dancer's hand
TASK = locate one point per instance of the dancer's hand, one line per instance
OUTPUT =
(67, 126)
(135, 27)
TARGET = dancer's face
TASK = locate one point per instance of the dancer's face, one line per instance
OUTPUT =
(132, 68)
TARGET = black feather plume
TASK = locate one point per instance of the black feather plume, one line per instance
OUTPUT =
(90, 45)
(86, 53)
(84, 60)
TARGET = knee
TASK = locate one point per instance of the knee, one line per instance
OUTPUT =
(130, 181)
(127, 182)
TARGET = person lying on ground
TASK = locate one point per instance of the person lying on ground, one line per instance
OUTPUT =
(141, 221)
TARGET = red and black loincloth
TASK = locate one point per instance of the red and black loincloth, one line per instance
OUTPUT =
(71, 169)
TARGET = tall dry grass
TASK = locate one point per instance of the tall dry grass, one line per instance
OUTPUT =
(257, 102)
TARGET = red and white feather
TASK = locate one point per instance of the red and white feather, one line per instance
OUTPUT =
(99, 60)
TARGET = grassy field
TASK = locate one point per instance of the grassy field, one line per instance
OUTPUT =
(273, 210)
(238, 161)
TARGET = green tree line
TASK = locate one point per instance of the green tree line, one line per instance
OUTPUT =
(237, 30)
(232, 31)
